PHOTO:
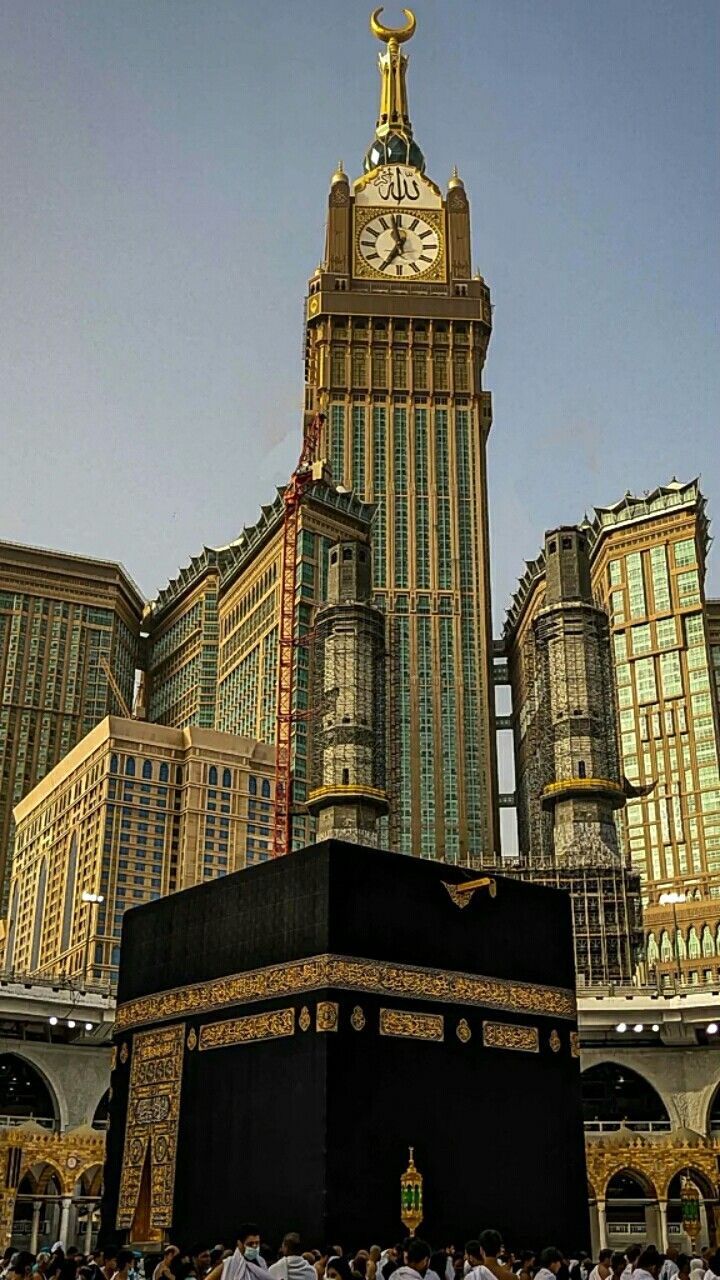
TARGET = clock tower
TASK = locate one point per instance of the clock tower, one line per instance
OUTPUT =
(396, 337)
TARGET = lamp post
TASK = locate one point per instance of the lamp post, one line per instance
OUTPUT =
(92, 900)
(671, 900)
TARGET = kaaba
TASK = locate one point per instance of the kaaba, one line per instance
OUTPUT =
(285, 1034)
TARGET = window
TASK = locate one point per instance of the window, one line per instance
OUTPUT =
(265, 790)
(641, 641)
(685, 552)
(147, 769)
(614, 573)
(660, 583)
(636, 589)
(163, 773)
(693, 944)
(227, 778)
(212, 776)
(666, 633)
(130, 767)
(113, 764)
(670, 674)
(645, 679)
(252, 785)
(688, 587)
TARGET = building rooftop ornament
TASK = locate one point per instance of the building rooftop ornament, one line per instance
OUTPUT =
(455, 180)
(393, 142)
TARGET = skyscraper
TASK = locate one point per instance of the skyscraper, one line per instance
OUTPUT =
(397, 332)
(647, 565)
(59, 616)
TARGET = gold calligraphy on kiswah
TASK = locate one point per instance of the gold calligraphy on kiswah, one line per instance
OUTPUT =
(256, 1026)
(409, 982)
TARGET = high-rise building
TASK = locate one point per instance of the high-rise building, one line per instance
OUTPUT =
(133, 812)
(397, 332)
(213, 631)
(568, 780)
(647, 556)
(59, 616)
(347, 776)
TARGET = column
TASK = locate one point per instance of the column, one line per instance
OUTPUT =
(602, 1224)
(89, 1227)
(704, 1233)
(35, 1228)
(594, 1236)
(663, 1232)
(66, 1203)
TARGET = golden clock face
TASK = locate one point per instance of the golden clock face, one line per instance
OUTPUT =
(399, 245)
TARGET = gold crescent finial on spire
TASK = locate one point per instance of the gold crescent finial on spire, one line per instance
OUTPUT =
(386, 34)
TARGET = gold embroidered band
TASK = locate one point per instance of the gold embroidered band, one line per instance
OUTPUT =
(506, 1035)
(409, 982)
(415, 1026)
(257, 1026)
(152, 1122)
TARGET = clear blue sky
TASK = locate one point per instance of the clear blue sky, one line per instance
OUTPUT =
(164, 176)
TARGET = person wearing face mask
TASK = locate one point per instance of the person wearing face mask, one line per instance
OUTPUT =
(246, 1263)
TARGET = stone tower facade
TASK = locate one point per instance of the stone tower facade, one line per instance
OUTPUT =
(572, 638)
(348, 734)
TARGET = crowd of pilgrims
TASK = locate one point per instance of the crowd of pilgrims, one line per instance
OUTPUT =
(413, 1259)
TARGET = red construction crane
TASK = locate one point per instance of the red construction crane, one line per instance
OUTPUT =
(299, 481)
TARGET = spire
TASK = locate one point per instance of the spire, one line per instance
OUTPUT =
(393, 142)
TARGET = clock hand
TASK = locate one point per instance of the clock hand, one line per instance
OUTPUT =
(397, 235)
(391, 256)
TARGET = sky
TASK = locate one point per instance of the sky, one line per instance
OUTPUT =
(165, 169)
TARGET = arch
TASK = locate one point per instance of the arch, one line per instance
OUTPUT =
(701, 1180)
(130, 767)
(212, 776)
(680, 945)
(252, 784)
(69, 892)
(227, 777)
(39, 915)
(613, 1092)
(12, 922)
(653, 951)
(147, 769)
(49, 1173)
(89, 1180)
(24, 1092)
(707, 941)
(624, 1179)
(693, 944)
(113, 764)
(666, 951)
(164, 772)
(266, 788)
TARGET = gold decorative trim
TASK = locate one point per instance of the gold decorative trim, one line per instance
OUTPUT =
(192, 1039)
(257, 1026)
(462, 1031)
(369, 977)
(554, 1041)
(326, 1016)
(153, 1114)
(507, 1035)
(414, 1026)
(113, 1057)
(462, 894)
(574, 1044)
(357, 1019)
(304, 1019)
